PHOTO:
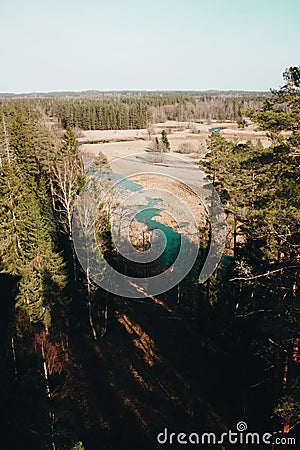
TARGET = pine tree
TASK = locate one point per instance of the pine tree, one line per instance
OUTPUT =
(165, 141)
(27, 231)
(259, 186)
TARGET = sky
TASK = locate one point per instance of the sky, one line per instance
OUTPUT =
(74, 45)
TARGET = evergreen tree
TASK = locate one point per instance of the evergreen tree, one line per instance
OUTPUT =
(165, 141)
(259, 187)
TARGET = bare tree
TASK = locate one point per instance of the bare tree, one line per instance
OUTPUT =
(68, 176)
(150, 129)
(85, 211)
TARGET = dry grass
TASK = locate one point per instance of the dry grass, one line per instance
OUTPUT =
(122, 143)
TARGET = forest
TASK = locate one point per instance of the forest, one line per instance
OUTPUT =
(131, 112)
(83, 369)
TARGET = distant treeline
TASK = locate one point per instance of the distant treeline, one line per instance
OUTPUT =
(136, 111)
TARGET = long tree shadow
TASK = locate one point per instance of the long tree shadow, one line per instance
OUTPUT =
(148, 372)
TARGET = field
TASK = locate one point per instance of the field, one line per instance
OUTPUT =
(120, 143)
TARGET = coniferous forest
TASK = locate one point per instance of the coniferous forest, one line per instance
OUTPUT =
(130, 111)
(81, 368)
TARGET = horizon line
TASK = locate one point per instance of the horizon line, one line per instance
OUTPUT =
(105, 91)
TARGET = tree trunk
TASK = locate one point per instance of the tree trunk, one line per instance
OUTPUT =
(48, 393)
(234, 235)
(105, 318)
(13, 350)
(89, 305)
(51, 185)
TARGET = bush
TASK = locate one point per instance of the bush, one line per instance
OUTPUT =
(186, 148)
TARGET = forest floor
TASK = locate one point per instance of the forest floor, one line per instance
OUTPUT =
(150, 372)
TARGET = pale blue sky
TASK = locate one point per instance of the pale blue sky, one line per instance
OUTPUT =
(54, 45)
